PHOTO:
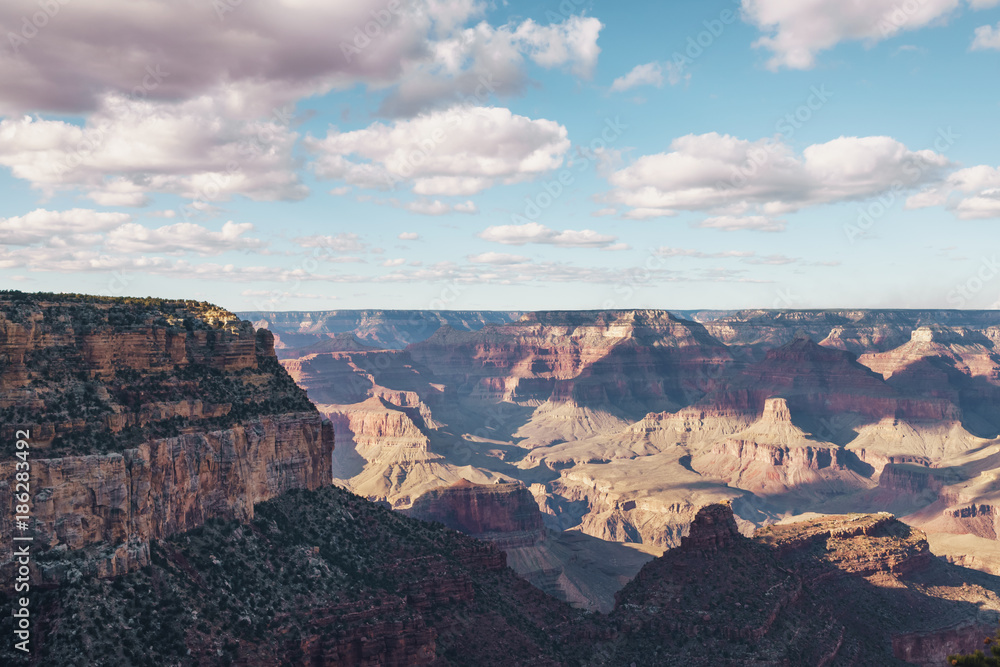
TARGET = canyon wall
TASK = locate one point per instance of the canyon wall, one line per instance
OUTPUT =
(146, 418)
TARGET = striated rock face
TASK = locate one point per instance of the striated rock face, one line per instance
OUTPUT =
(147, 418)
(630, 361)
(114, 504)
(482, 510)
(391, 329)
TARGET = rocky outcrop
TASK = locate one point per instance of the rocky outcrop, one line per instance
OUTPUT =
(800, 593)
(504, 512)
(713, 528)
(146, 418)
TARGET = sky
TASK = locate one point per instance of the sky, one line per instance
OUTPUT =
(436, 154)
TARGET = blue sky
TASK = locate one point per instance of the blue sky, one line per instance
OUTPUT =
(503, 156)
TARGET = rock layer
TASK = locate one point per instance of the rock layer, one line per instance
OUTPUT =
(146, 418)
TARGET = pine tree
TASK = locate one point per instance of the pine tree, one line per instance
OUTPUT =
(980, 659)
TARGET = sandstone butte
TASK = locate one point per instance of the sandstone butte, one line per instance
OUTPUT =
(185, 514)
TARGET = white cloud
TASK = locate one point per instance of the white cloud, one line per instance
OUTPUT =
(732, 223)
(459, 151)
(572, 42)
(730, 176)
(345, 242)
(409, 236)
(796, 31)
(130, 148)
(482, 61)
(971, 193)
(497, 258)
(534, 232)
(41, 225)
(667, 251)
(987, 37)
(183, 237)
(437, 207)
(394, 262)
(261, 55)
(650, 74)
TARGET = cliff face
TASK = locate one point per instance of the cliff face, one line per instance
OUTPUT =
(630, 361)
(147, 418)
(481, 509)
(392, 329)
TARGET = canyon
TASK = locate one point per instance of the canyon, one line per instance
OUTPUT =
(607, 488)
(623, 423)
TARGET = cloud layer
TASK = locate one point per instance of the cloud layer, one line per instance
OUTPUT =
(459, 151)
(734, 177)
(795, 32)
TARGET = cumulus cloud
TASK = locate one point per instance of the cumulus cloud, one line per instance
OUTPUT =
(534, 232)
(497, 258)
(409, 236)
(184, 237)
(130, 148)
(482, 61)
(188, 100)
(264, 54)
(650, 74)
(459, 151)
(729, 176)
(971, 193)
(987, 37)
(41, 225)
(796, 31)
(437, 207)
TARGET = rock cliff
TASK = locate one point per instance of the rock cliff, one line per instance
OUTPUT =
(146, 419)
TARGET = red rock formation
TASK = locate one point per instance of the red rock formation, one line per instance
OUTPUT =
(506, 510)
(713, 528)
(185, 416)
